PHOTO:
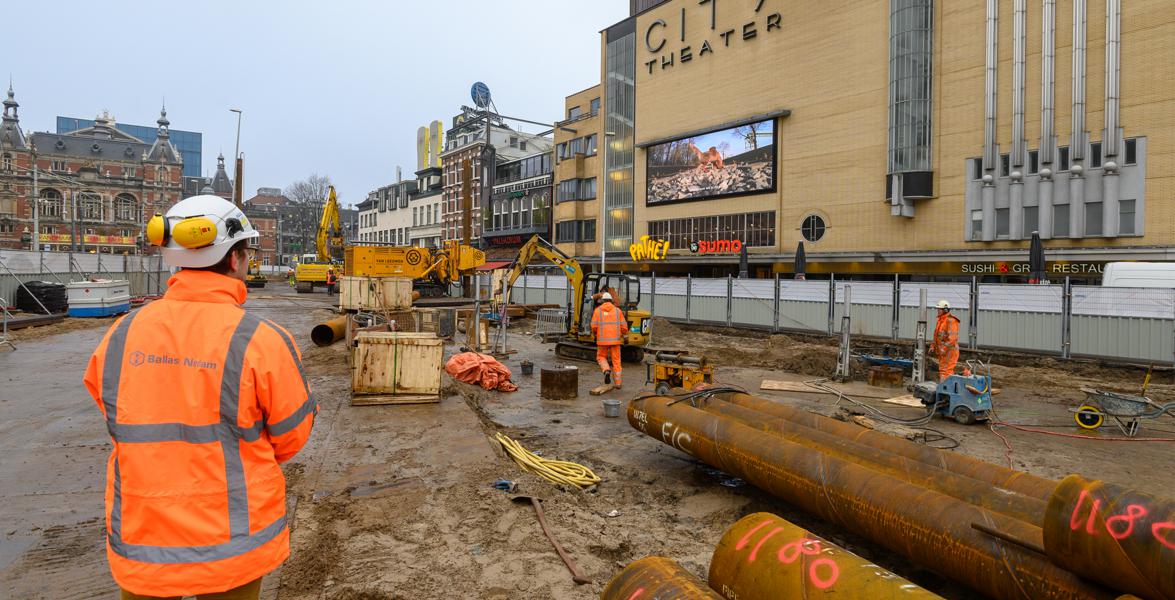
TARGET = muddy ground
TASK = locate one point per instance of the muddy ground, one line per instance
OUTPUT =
(397, 501)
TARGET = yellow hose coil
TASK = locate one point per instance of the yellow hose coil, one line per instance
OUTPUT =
(559, 472)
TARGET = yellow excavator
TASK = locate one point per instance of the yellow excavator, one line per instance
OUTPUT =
(579, 342)
(254, 278)
(328, 244)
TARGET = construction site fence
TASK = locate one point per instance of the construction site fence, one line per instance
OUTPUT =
(147, 274)
(1134, 325)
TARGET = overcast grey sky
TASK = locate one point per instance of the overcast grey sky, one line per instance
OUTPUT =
(338, 87)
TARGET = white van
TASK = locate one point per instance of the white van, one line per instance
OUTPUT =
(1139, 275)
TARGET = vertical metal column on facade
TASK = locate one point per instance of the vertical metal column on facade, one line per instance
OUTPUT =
(1048, 142)
(1079, 137)
(990, 106)
(973, 316)
(616, 232)
(689, 292)
(911, 43)
(1019, 150)
(1110, 135)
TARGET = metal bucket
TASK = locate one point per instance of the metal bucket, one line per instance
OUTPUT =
(611, 408)
(527, 367)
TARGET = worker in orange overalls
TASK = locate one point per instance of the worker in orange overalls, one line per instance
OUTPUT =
(203, 402)
(609, 327)
(946, 340)
(330, 281)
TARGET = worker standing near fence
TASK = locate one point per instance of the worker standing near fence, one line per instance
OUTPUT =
(609, 327)
(330, 281)
(203, 402)
(946, 340)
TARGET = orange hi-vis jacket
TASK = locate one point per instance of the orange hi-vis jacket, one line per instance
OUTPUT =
(203, 401)
(609, 325)
(946, 333)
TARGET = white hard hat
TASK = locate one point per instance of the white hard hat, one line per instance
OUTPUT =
(606, 296)
(944, 305)
(197, 232)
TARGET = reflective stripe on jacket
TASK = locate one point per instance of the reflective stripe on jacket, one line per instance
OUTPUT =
(203, 401)
(946, 332)
(609, 324)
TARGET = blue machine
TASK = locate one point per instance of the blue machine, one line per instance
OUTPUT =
(964, 398)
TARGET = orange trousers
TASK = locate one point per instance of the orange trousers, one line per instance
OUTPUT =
(602, 354)
(947, 359)
(249, 591)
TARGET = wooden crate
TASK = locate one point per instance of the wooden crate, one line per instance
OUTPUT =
(395, 368)
(375, 293)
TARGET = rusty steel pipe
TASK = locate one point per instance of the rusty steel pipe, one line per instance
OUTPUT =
(1011, 480)
(329, 332)
(656, 577)
(764, 556)
(1118, 536)
(927, 527)
(973, 491)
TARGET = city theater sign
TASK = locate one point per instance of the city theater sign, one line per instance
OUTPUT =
(658, 33)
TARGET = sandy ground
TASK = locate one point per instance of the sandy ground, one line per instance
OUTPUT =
(396, 501)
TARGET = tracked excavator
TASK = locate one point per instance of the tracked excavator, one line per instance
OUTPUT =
(586, 288)
(328, 243)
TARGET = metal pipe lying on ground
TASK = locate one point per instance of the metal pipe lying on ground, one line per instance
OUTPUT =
(1008, 479)
(1019, 506)
(655, 577)
(925, 526)
(329, 332)
(764, 556)
(1120, 537)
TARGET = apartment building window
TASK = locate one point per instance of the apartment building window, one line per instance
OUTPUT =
(129, 172)
(1131, 151)
(91, 206)
(1063, 158)
(50, 203)
(1095, 155)
(1126, 217)
(575, 231)
(1093, 218)
(576, 189)
(595, 106)
(7, 161)
(574, 112)
(1002, 222)
(1033, 162)
(125, 208)
(976, 169)
(60, 166)
(976, 225)
(1060, 220)
(1031, 219)
(1005, 163)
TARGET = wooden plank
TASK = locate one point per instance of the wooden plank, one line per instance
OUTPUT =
(384, 399)
(800, 387)
(907, 400)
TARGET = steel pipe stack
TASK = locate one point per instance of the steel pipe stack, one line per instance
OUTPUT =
(929, 527)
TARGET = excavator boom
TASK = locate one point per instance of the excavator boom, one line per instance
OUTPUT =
(569, 266)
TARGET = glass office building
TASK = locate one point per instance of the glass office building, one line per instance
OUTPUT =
(189, 143)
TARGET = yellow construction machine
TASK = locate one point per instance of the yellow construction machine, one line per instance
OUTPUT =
(254, 278)
(579, 342)
(328, 243)
(432, 269)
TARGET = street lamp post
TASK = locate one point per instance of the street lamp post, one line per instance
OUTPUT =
(604, 201)
(237, 149)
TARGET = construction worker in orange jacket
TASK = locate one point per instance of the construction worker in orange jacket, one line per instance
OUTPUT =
(609, 327)
(203, 402)
(946, 340)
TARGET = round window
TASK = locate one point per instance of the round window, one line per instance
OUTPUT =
(812, 228)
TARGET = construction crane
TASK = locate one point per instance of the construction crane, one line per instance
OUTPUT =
(433, 270)
(579, 342)
(328, 244)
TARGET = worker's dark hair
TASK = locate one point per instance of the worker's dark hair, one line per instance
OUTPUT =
(223, 267)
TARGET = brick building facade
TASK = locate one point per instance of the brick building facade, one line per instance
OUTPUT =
(95, 186)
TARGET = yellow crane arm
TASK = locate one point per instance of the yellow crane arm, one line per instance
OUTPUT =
(330, 230)
(569, 266)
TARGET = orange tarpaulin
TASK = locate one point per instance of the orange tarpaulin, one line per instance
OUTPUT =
(480, 369)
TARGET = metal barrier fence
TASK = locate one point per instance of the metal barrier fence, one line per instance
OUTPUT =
(147, 274)
(1061, 319)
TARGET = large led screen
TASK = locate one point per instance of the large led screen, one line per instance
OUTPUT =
(727, 162)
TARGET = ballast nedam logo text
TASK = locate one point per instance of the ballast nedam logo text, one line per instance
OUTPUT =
(139, 358)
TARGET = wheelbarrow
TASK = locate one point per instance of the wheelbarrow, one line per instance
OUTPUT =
(1126, 410)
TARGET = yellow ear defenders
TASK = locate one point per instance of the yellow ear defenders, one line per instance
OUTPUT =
(191, 233)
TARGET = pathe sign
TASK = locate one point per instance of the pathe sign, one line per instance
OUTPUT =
(649, 249)
(657, 35)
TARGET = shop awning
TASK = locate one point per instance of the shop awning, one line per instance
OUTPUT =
(492, 265)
